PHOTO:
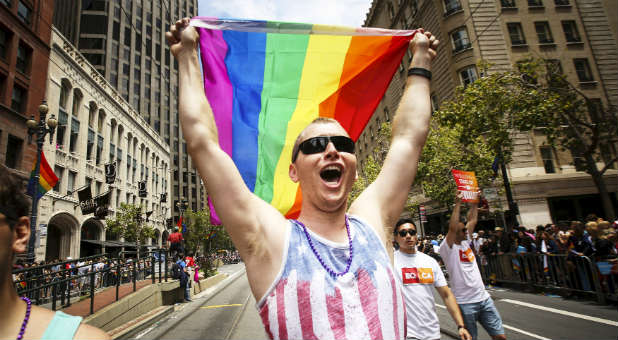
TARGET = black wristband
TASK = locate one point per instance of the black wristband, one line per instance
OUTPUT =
(460, 327)
(417, 71)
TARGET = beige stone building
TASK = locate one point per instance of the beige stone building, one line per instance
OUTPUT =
(96, 126)
(580, 35)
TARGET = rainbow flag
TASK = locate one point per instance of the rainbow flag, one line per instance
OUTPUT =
(266, 81)
(47, 179)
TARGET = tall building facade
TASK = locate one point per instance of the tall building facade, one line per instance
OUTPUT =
(24, 50)
(97, 129)
(549, 185)
(125, 42)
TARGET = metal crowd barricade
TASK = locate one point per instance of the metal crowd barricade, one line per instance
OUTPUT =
(555, 271)
(49, 288)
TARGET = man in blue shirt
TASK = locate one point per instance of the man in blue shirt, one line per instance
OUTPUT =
(184, 277)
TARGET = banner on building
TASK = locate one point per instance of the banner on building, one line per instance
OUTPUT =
(467, 184)
(110, 173)
(86, 203)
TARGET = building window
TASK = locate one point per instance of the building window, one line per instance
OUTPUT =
(535, 3)
(13, 151)
(59, 171)
(543, 32)
(559, 3)
(71, 182)
(507, 3)
(18, 99)
(547, 156)
(435, 106)
(5, 37)
(570, 31)
(460, 39)
(74, 134)
(451, 6)
(516, 34)
(62, 127)
(90, 145)
(468, 75)
(24, 12)
(583, 70)
(579, 162)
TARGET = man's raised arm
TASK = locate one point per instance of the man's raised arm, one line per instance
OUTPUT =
(453, 223)
(382, 202)
(242, 213)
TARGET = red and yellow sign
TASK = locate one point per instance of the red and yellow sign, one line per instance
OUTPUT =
(467, 184)
(417, 275)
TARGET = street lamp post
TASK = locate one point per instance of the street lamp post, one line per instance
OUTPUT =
(182, 206)
(40, 129)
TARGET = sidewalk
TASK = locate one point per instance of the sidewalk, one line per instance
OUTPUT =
(105, 298)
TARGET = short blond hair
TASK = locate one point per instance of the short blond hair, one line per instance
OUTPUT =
(319, 120)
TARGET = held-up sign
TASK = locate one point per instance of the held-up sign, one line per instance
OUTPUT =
(466, 183)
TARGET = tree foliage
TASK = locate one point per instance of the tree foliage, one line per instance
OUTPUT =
(535, 94)
(129, 224)
(443, 152)
(202, 234)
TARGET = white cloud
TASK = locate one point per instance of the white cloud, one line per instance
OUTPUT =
(331, 12)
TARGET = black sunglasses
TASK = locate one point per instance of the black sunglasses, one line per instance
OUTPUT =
(403, 233)
(319, 144)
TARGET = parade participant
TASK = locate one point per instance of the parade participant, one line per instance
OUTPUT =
(418, 274)
(328, 274)
(174, 242)
(22, 320)
(466, 282)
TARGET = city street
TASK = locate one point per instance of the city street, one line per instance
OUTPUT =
(226, 314)
(230, 313)
(534, 316)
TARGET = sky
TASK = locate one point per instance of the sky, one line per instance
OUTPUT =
(330, 12)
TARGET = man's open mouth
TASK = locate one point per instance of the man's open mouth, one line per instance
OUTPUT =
(331, 174)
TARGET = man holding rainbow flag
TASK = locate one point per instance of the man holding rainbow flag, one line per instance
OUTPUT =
(325, 271)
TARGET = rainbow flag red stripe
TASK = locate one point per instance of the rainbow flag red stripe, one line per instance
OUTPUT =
(47, 179)
(266, 81)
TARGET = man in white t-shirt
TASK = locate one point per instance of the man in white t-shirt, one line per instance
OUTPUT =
(466, 282)
(417, 273)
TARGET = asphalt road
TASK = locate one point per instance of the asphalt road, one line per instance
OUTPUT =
(537, 316)
(230, 313)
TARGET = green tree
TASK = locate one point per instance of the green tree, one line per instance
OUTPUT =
(444, 152)
(535, 95)
(201, 234)
(128, 223)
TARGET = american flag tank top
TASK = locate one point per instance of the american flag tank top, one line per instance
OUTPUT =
(305, 302)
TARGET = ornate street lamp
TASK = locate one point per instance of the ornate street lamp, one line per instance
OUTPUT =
(40, 129)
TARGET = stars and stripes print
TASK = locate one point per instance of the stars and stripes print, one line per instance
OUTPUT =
(305, 302)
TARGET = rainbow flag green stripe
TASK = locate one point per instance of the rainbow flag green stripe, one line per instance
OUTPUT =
(267, 80)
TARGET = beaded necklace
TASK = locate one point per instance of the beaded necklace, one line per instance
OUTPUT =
(22, 330)
(315, 252)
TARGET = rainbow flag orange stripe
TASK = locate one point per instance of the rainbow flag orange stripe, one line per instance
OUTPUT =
(266, 81)
(47, 179)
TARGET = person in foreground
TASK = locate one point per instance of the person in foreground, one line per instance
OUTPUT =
(474, 301)
(327, 274)
(418, 273)
(20, 319)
